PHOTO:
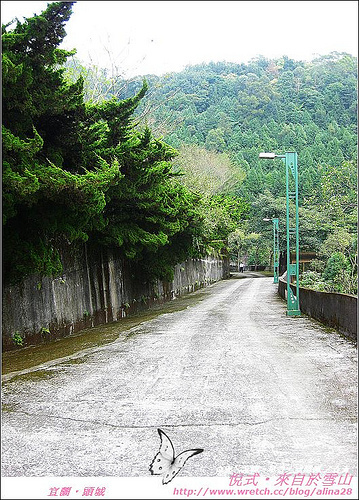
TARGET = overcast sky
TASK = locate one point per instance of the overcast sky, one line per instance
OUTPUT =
(142, 37)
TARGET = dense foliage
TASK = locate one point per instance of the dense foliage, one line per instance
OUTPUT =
(76, 171)
(82, 161)
(239, 110)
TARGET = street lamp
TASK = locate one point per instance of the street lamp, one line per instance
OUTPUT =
(275, 248)
(291, 165)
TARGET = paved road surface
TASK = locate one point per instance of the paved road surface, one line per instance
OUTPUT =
(231, 374)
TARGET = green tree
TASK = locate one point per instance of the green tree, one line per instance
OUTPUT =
(208, 172)
(339, 189)
(34, 93)
(235, 111)
(258, 251)
(77, 171)
(337, 275)
(47, 194)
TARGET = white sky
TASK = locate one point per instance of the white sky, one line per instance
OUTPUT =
(142, 37)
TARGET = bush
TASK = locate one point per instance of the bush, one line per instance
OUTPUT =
(337, 265)
(312, 280)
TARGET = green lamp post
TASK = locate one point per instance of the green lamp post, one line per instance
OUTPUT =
(275, 248)
(290, 160)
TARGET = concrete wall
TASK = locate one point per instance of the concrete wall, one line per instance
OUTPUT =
(92, 290)
(336, 310)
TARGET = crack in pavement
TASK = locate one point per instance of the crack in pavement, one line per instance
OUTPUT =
(221, 369)
(209, 424)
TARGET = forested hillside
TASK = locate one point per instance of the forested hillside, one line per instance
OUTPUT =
(221, 115)
(164, 168)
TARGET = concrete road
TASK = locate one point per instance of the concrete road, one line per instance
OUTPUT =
(231, 374)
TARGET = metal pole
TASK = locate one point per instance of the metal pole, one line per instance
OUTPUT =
(275, 250)
(297, 232)
(291, 165)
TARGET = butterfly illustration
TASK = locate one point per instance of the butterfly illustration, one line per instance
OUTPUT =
(165, 463)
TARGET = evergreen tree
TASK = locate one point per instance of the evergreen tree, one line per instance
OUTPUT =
(45, 198)
(76, 171)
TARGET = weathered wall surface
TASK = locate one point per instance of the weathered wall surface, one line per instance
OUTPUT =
(92, 290)
(336, 310)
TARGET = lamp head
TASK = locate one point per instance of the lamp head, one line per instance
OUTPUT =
(267, 156)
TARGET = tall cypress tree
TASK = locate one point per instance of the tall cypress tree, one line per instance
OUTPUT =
(47, 195)
(34, 94)
(77, 172)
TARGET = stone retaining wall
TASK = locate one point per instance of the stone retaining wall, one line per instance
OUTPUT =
(92, 291)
